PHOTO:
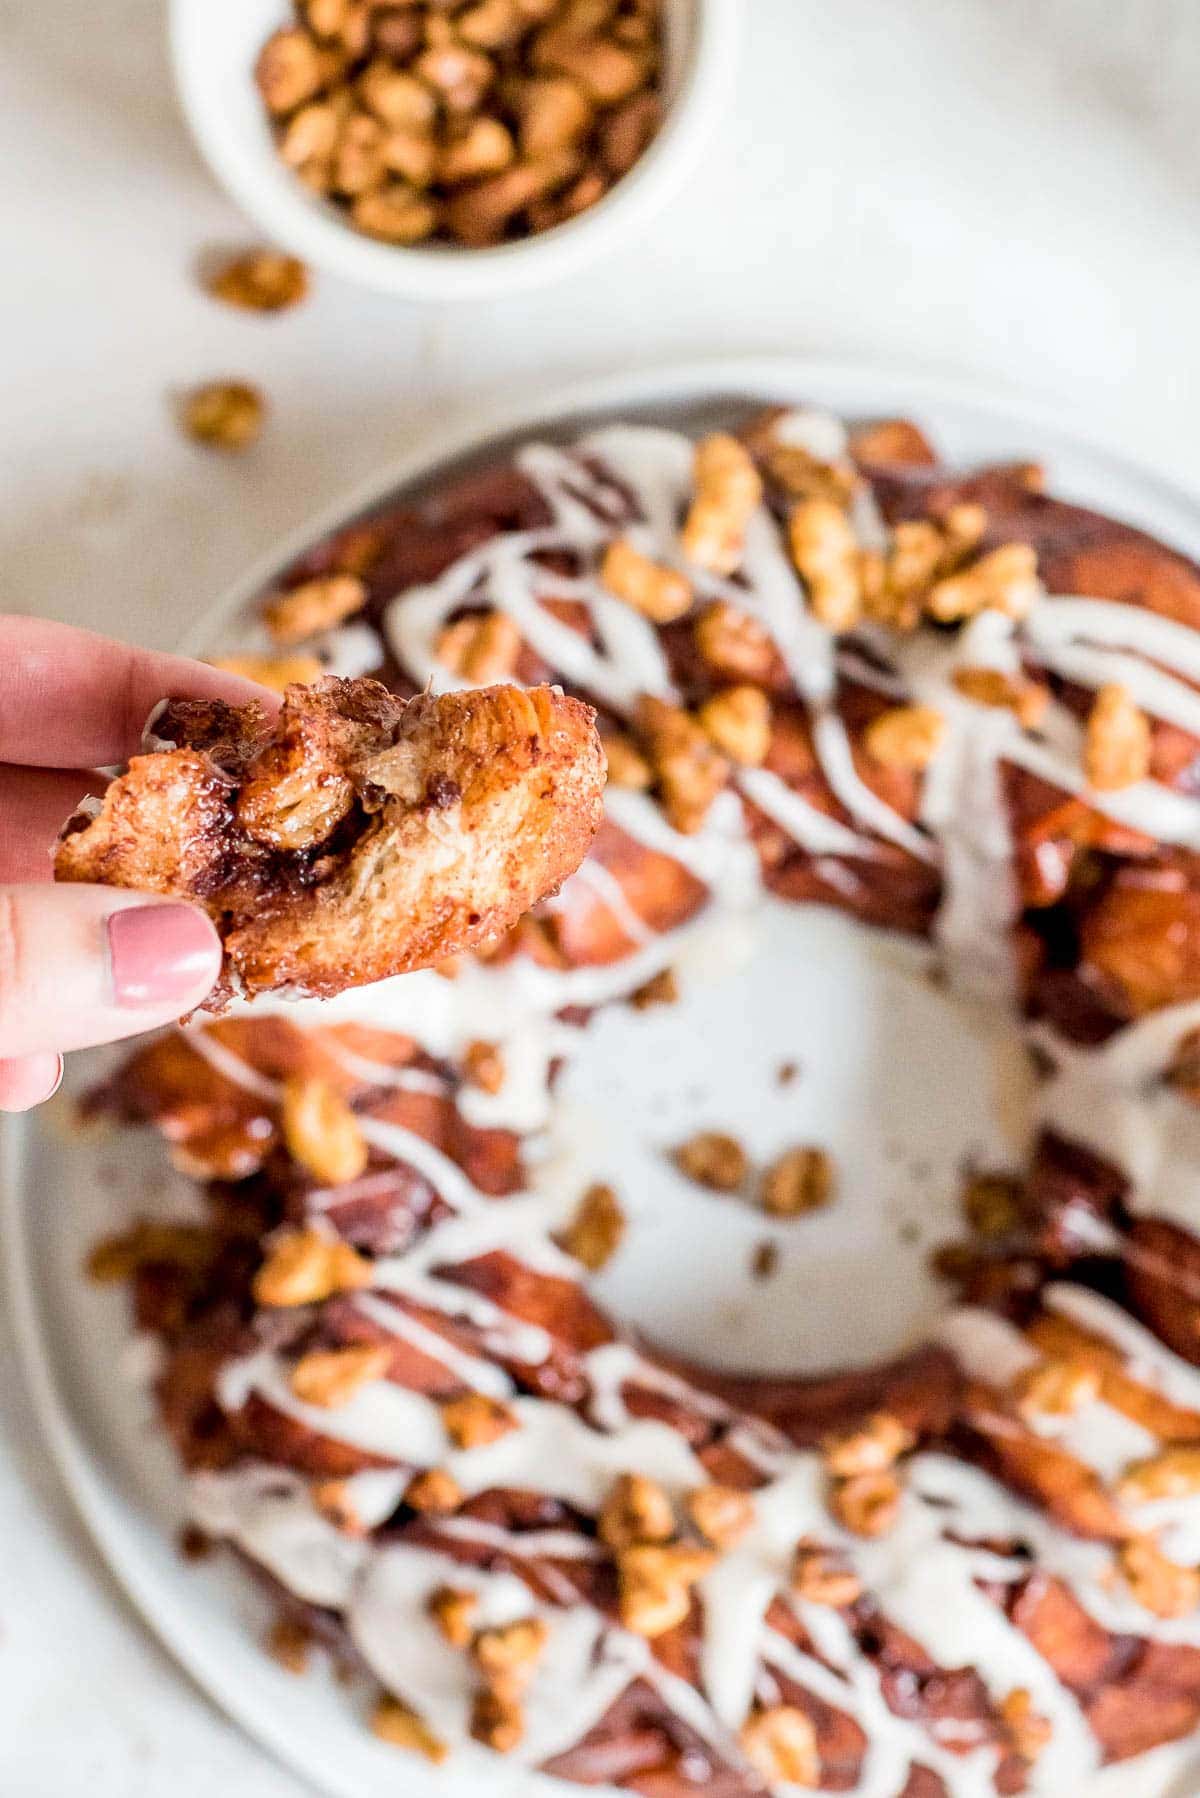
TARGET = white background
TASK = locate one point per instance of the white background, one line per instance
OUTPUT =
(1005, 188)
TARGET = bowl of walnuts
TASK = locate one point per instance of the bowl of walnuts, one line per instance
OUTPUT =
(444, 149)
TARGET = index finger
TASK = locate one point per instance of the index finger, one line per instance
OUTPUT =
(72, 699)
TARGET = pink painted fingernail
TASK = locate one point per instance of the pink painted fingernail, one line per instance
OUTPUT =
(160, 954)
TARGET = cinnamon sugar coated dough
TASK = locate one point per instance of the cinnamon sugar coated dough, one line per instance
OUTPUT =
(828, 669)
(358, 836)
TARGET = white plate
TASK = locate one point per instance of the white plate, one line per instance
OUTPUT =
(851, 1009)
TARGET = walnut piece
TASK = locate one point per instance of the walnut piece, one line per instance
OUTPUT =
(627, 766)
(1159, 1585)
(497, 1721)
(1116, 749)
(734, 645)
(636, 1510)
(508, 1654)
(728, 492)
(481, 650)
(226, 415)
(661, 989)
(597, 1230)
(712, 1158)
(659, 593)
(312, 607)
(331, 1377)
(433, 1493)
(868, 1504)
(1056, 1389)
(302, 1268)
(1172, 1473)
(475, 1420)
(655, 1584)
(800, 1180)
(825, 551)
(260, 281)
(1005, 581)
(906, 737)
(873, 1447)
(738, 720)
(689, 771)
(453, 1609)
(276, 672)
(321, 1131)
(1028, 1731)
(483, 1065)
(1014, 693)
(722, 1514)
(822, 1577)
(394, 1722)
(780, 1742)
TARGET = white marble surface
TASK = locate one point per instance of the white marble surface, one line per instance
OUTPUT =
(1008, 188)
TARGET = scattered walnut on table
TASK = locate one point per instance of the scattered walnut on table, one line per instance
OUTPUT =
(714, 1159)
(260, 281)
(225, 415)
(801, 1180)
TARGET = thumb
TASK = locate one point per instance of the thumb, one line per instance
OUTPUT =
(89, 964)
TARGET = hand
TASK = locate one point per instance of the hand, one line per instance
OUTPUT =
(81, 965)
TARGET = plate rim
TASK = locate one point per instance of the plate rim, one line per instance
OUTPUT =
(910, 386)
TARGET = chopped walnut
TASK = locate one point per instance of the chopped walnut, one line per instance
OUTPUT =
(226, 415)
(1160, 1586)
(822, 1577)
(689, 771)
(728, 491)
(483, 1065)
(395, 214)
(434, 1493)
(333, 1501)
(655, 1585)
(906, 737)
(802, 476)
(290, 70)
(507, 1655)
(873, 1447)
(321, 1131)
(314, 606)
(661, 989)
(1005, 581)
(868, 1504)
(1056, 1389)
(825, 551)
(453, 1609)
(331, 1377)
(483, 146)
(992, 1204)
(597, 1230)
(394, 1722)
(636, 1510)
(733, 645)
(722, 1514)
(659, 593)
(627, 766)
(497, 1721)
(302, 1268)
(475, 1420)
(780, 1742)
(713, 1159)
(290, 1643)
(1116, 749)
(895, 588)
(260, 281)
(1012, 692)
(275, 672)
(1028, 1731)
(738, 721)
(798, 1181)
(481, 650)
(1172, 1473)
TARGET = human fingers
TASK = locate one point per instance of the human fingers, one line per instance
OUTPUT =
(70, 698)
(87, 964)
(29, 1081)
(35, 803)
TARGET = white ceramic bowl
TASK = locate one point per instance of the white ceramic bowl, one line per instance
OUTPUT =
(215, 44)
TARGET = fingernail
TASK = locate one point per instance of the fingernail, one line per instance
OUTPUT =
(62, 1068)
(160, 954)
